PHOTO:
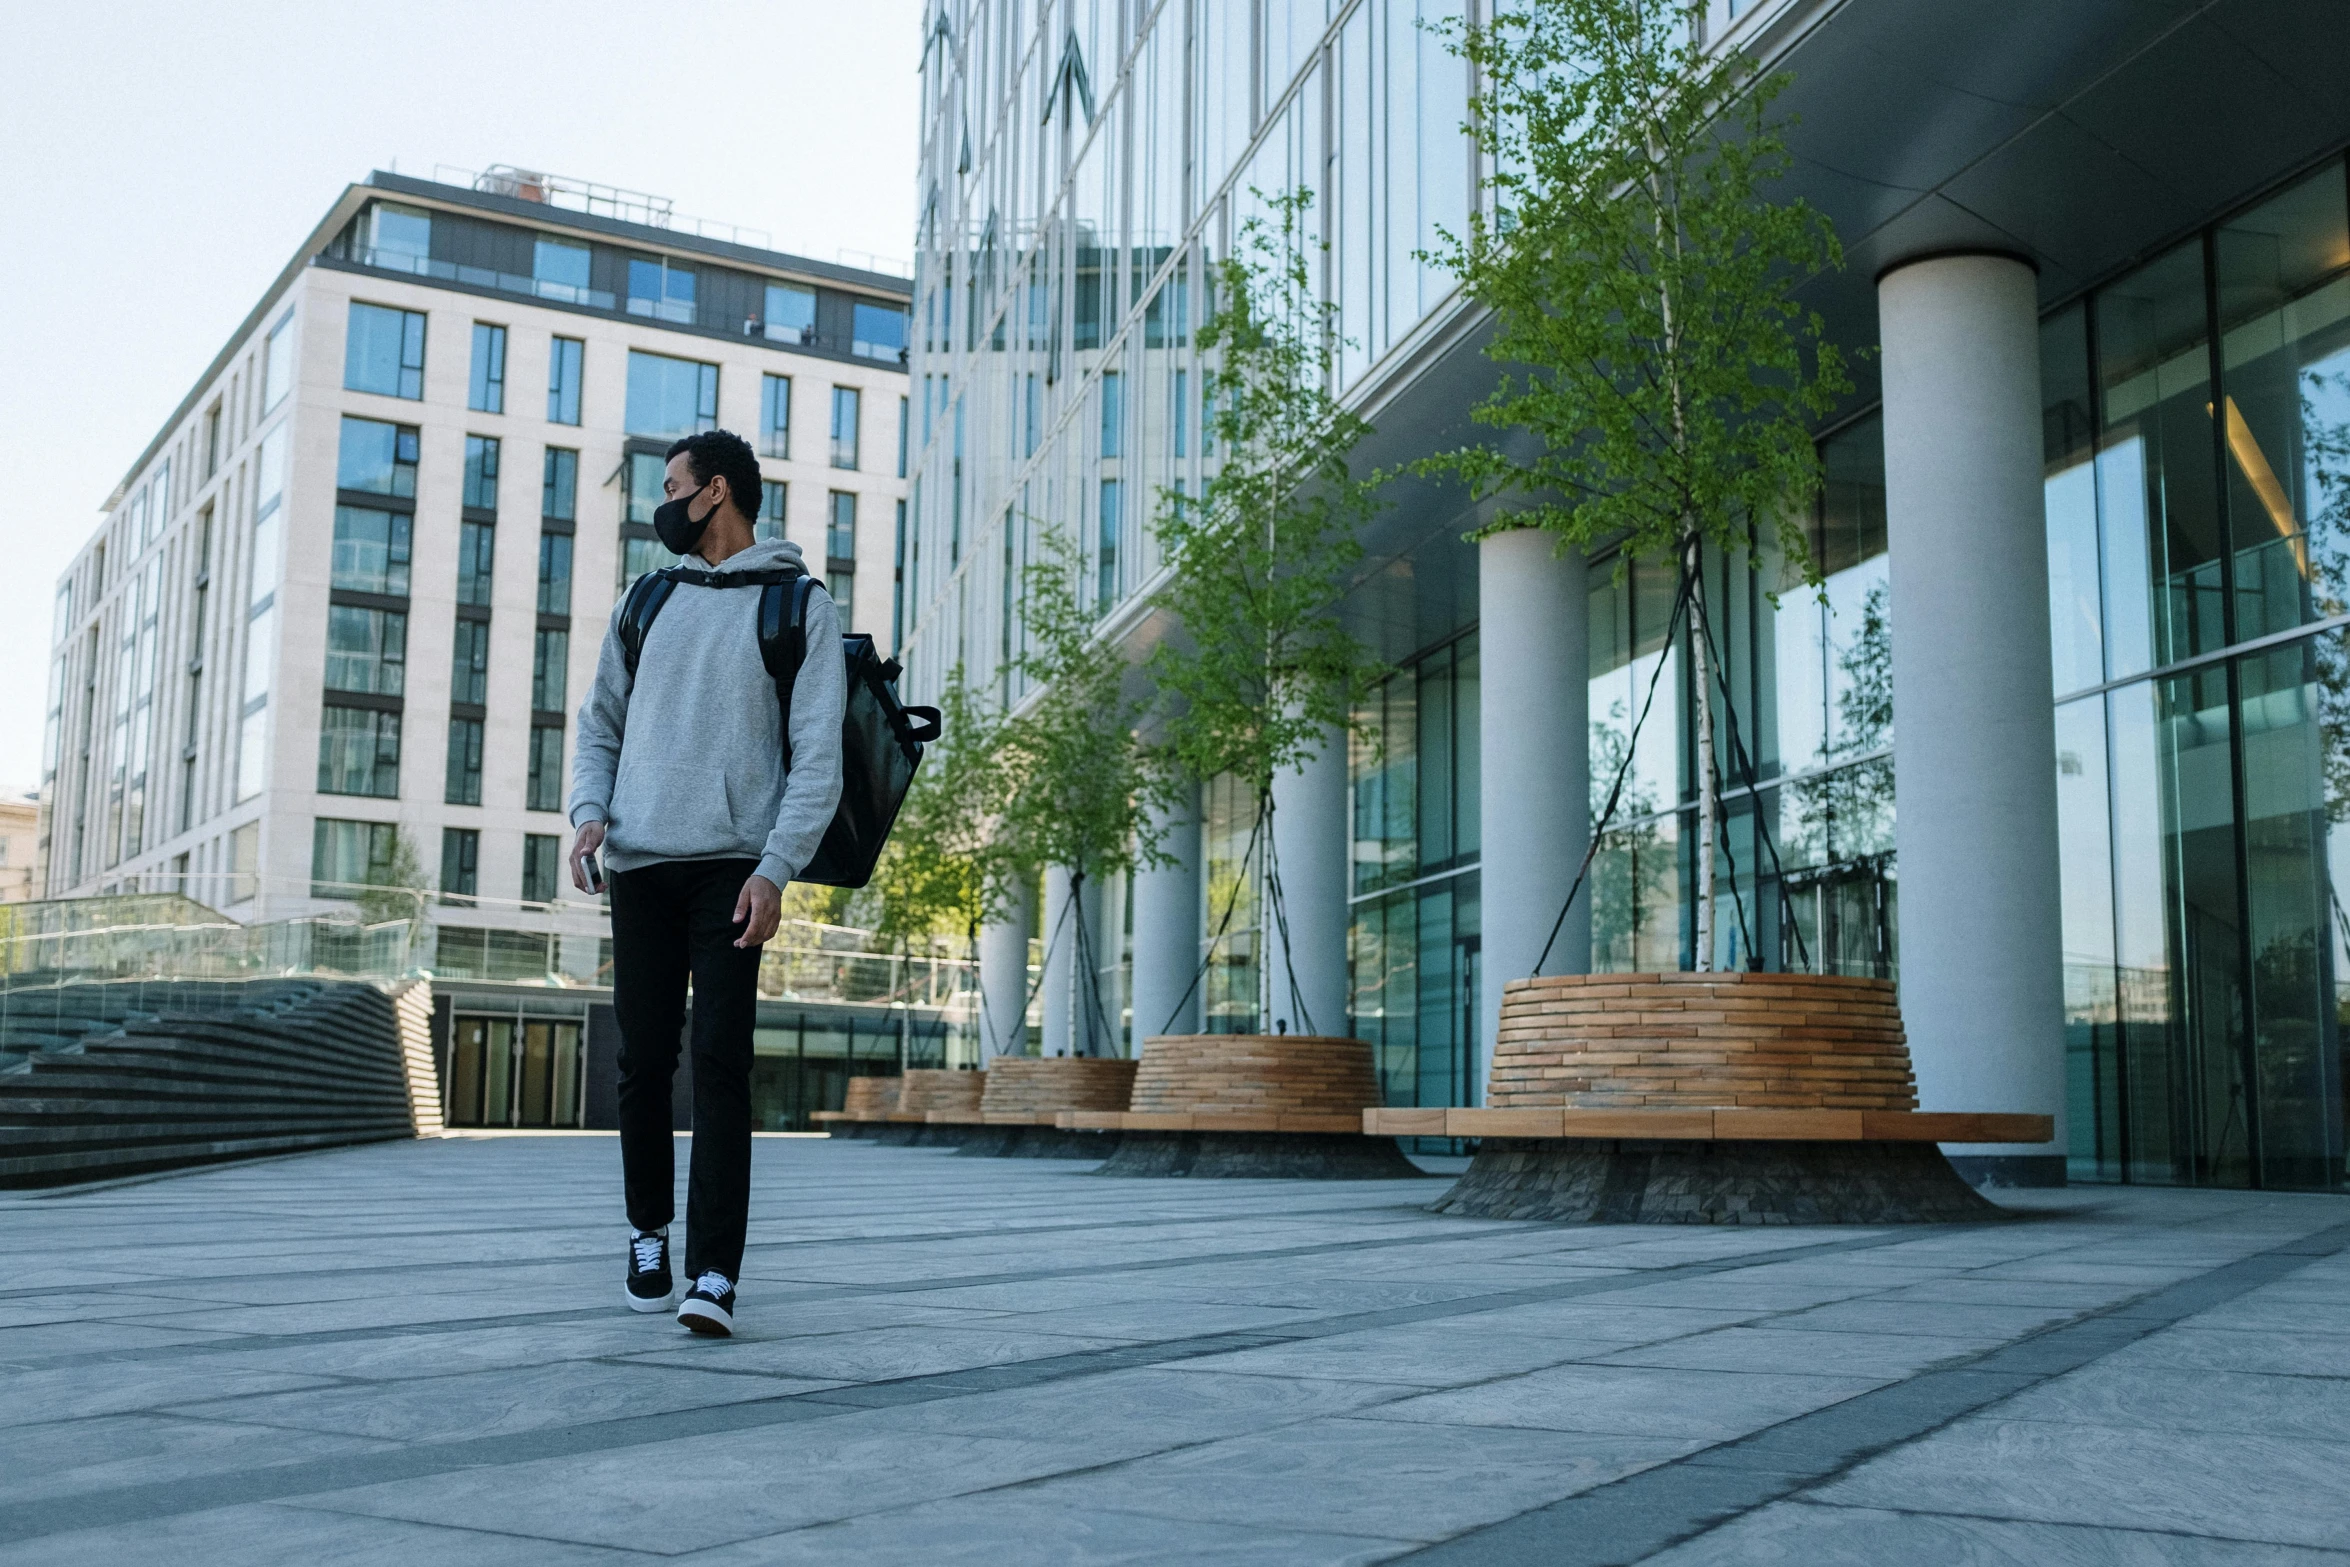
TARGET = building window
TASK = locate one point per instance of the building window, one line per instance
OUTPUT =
(463, 784)
(384, 352)
(542, 862)
(669, 397)
(559, 270)
(546, 768)
(212, 440)
(469, 665)
(486, 393)
(366, 650)
(903, 433)
(791, 313)
(359, 752)
(476, 549)
(840, 552)
(277, 364)
(770, 523)
(563, 363)
(661, 289)
(400, 237)
(775, 416)
(878, 332)
(1113, 414)
(481, 472)
(559, 485)
(897, 590)
(640, 493)
(371, 550)
(460, 864)
(346, 855)
(244, 862)
(845, 405)
(554, 573)
(550, 662)
(1106, 553)
(377, 458)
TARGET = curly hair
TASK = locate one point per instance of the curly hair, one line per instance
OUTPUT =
(722, 454)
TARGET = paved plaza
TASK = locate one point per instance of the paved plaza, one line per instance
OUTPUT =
(416, 1352)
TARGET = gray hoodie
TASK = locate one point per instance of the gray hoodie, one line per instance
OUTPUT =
(686, 761)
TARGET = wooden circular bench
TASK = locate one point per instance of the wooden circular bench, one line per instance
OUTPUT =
(867, 1103)
(1017, 1116)
(1708, 1098)
(1249, 1105)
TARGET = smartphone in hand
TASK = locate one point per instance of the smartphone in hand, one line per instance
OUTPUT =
(595, 874)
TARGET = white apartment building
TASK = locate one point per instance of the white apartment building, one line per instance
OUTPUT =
(355, 586)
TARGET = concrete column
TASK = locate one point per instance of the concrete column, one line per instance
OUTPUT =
(1534, 789)
(1003, 979)
(1974, 757)
(1311, 840)
(1056, 987)
(1167, 929)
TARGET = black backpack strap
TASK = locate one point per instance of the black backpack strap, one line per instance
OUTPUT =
(783, 640)
(651, 591)
(645, 597)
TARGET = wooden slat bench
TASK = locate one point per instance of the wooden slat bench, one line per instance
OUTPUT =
(1726, 1098)
(1252, 1105)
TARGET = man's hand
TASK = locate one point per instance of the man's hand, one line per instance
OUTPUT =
(583, 847)
(761, 903)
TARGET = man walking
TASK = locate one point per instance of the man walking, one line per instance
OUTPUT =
(680, 779)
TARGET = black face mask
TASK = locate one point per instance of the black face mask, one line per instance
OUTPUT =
(679, 528)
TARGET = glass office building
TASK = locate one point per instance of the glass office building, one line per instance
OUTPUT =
(1084, 161)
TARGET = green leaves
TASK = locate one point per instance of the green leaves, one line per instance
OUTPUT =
(1264, 669)
(1641, 283)
(1075, 789)
(942, 874)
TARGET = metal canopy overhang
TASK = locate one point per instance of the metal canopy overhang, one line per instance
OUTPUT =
(2084, 134)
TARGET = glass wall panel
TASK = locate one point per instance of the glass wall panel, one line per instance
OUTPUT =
(2163, 590)
(2076, 614)
(2178, 934)
(1229, 841)
(2289, 899)
(2284, 301)
(2085, 858)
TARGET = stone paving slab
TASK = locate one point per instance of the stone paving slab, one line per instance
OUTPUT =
(416, 1352)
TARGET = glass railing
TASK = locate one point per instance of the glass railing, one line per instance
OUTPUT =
(484, 277)
(680, 312)
(72, 966)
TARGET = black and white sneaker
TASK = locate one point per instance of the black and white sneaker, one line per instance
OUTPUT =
(709, 1306)
(649, 1285)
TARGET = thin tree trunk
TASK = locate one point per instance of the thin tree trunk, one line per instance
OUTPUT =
(1709, 783)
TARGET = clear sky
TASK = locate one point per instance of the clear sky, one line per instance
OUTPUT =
(159, 163)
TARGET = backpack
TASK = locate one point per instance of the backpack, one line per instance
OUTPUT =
(881, 738)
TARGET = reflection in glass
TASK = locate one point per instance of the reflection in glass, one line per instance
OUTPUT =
(2284, 300)
(2162, 533)
(2076, 616)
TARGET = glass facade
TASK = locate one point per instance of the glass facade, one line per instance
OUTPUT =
(1084, 167)
(2197, 435)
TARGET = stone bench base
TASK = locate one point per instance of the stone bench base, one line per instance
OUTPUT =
(1714, 1181)
(1258, 1154)
(1032, 1139)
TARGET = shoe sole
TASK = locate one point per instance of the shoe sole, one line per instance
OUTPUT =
(638, 1302)
(706, 1319)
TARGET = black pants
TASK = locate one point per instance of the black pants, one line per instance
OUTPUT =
(668, 921)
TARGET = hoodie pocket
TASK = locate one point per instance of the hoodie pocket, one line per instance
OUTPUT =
(671, 810)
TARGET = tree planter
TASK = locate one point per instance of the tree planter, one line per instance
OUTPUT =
(1025, 1094)
(864, 1108)
(1251, 1105)
(1823, 1058)
(927, 1090)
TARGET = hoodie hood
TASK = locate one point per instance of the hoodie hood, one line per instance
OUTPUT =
(763, 555)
